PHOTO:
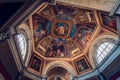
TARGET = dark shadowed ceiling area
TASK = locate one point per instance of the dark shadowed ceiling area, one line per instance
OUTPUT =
(8, 9)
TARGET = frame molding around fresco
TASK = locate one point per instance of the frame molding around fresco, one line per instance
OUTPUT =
(41, 64)
(42, 45)
(86, 63)
(106, 18)
(47, 12)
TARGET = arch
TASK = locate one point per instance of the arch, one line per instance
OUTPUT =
(24, 29)
(92, 50)
(62, 78)
(62, 64)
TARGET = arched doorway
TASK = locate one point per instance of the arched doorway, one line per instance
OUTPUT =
(58, 73)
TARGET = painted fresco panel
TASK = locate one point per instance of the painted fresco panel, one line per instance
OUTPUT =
(82, 65)
(108, 22)
(36, 63)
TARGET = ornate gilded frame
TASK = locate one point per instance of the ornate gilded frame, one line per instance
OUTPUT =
(40, 66)
(82, 65)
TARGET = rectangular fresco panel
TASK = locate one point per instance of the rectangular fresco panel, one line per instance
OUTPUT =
(36, 64)
(109, 22)
(82, 65)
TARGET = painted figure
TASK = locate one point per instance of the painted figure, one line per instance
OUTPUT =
(35, 64)
(60, 29)
(108, 21)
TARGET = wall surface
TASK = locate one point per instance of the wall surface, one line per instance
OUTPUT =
(105, 5)
(7, 60)
(4, 73)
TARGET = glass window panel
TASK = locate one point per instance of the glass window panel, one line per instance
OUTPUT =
(111, 46)
(20, 39)
(98, 53)
(22, 52)
(18, 36)
(103, 50)
(21, 47)
(107, 49)
(106, 43)
(22, 44)
(99, 59)
(103, 54)
(103, 46)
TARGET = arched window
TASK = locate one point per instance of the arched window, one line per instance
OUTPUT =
(102, 50)
(21, 41)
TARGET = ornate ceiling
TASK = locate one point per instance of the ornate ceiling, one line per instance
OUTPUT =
(63, 31)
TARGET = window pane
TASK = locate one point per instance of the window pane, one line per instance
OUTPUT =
(98, 53)
(110, 46)
(106, 43)
(104, 54)
(107, 49)
(101, 48)
(99, 59)
(22, 44)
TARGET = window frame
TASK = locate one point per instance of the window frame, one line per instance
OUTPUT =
(99, 42)
(92, 50)
(23, 29)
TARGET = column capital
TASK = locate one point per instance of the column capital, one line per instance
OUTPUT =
(5, 35)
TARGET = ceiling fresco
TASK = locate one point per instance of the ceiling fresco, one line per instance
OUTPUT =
(62, 30)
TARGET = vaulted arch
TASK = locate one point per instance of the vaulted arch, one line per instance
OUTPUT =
(62, 64)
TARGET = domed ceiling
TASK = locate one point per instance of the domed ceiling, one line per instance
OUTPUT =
(62, 34)
(62, 31)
